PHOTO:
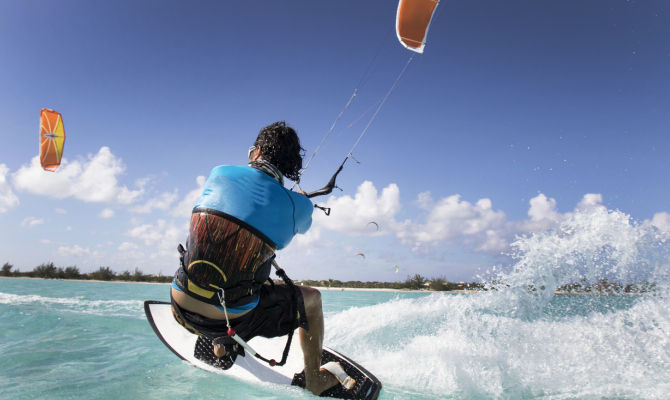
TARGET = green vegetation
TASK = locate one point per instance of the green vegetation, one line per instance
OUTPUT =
(416, 282)
(50, 271)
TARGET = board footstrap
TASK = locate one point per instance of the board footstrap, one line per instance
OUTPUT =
(336, 369)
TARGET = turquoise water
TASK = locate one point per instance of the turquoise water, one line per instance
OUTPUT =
(63, 340)
(74, 340)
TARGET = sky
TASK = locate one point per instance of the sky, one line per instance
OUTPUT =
(518, 114)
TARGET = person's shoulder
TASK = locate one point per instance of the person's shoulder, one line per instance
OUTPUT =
(301, 198)
(228, 169)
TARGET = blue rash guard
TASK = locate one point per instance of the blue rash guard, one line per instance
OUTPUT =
(259, 200)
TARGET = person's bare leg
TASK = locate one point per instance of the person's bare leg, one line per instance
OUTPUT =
(311, 342)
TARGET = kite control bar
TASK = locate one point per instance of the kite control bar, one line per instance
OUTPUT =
(328, 188)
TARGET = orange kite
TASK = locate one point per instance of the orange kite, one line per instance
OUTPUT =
(52, 139)
(412, 22)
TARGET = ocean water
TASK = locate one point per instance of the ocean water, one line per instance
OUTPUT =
(75, 339)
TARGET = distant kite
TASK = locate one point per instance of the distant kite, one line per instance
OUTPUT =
(397, 268)
(412, 22)
(361, 254)
(52, 139)
(374, 223)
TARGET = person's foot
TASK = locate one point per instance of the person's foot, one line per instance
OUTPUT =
(319, 382)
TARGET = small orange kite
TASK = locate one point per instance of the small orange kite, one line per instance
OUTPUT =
(52, 139)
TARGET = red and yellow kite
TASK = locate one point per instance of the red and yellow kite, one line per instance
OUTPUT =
(52, 139)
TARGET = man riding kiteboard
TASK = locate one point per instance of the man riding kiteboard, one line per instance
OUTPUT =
(222, 287)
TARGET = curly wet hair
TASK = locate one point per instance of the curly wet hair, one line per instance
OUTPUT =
(280, 146)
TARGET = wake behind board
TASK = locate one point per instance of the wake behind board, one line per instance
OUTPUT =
(199, 352)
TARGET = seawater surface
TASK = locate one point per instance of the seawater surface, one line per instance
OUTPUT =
(77, 339)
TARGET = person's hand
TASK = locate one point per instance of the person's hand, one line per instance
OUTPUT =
(301, 192)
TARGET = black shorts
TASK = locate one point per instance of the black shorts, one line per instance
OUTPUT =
(280, 310)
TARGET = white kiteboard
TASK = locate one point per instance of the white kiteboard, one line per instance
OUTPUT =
(360, 384)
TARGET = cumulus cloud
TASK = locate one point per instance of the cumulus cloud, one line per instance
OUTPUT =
(661, 220)
(30, 222)
(128, 246)
(352, 214)
(92, 180)
(590, 201)
(543, 208)
(162, 236)
(107, 213)
(162, 202)
(184, 207)
(73, 251)
(452, 218)
(7, 197)
(424, 201)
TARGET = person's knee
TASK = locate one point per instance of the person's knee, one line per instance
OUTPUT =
(312, 299)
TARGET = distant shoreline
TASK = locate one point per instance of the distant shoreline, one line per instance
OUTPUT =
(84, 280)
(337, 288)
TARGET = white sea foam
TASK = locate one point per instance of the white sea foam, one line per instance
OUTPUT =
(505, 343)
(77, 304)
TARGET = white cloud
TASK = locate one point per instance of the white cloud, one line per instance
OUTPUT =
(128, 246)
(7, 197)
(452, 218)
(424, 201)
(93, 180)
(184, 208)
(107, 213)
(351, 215)
(30, 222)
(590, 201)
(60, 211)
(162, 202)
(160, 239)
(661, 220)
(73, 251)
(542, 208)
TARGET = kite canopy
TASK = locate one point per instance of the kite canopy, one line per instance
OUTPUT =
(412, 22)
(52, 139)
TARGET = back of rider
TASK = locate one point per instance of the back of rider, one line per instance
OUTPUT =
(242, 216)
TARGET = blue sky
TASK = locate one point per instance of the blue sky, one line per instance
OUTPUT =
(517, 114)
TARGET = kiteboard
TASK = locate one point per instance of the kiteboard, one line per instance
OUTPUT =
(357, 382)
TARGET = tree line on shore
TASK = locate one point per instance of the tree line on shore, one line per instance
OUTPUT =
(416, 282)
(50, 271)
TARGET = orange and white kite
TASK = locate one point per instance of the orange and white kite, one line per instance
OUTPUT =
(52, 139)
(412, 22)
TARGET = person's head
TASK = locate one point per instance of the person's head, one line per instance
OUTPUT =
(279, 145)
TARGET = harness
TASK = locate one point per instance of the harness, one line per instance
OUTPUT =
(223, 252)
(234, 339)
(225, 264)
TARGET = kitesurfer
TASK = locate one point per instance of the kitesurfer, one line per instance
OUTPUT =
(243, 215)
